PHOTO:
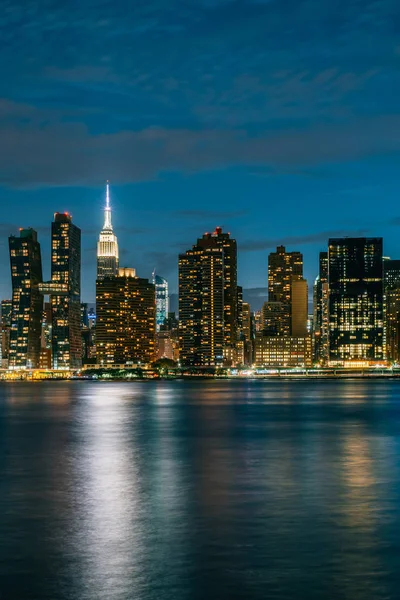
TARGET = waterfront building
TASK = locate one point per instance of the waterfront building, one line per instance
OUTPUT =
(282, 351)
(356, 331)
(162, 299)
(27, 302)
(125, 324)
(107, 246)
(6, 312)
(208, 301)
(65, 292)
(283, 269)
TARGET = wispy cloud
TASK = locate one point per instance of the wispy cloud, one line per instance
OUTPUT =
(312, 238)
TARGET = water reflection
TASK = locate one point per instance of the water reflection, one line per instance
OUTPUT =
(193, 490)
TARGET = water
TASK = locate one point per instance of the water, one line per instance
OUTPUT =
(192, 490)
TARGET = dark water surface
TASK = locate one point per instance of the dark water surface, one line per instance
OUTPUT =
(214, 490)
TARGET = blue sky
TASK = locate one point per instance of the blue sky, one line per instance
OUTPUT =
(277, 119)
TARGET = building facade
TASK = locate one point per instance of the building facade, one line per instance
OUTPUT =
(65, 291)
(6, 312)
(320, 312)
(282, 352)
(356, 329)
(283, 269)
(208, 301)
(107, 246)
(162, 299)
(391, 275)
(126, 320)
(27, 302)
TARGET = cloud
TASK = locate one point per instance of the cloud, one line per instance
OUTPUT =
(30, 154)
(312, 238)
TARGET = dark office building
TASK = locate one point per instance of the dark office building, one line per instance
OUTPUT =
(320, 325)
(126, 319)
(27, 302)
(208, 301)
(65, 291)
(355, 301)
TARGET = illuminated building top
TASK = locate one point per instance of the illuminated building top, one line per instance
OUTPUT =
(107, 246)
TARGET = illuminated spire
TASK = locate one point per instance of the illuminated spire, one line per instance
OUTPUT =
(107, 210)
(107, 246)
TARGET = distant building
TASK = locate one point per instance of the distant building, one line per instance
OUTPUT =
(321, 317)
(107, 246)
(6, 312)
(281, 352)
(391, 269)
(356, 332)
(125, 325)
(27, 302)
(247, 332)
(162, 299)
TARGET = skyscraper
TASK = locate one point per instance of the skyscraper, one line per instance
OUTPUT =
(126, 313)
(320, 325)
(162, 299)
(107, 246)
(355, 301)
(208, 300)
(27, 302)
(283, 269)
(65, 291)
(391, 270)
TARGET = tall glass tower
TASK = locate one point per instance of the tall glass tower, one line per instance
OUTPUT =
(162, 299)
(107, 246)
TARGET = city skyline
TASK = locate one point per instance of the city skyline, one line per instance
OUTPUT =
(278, 125)
(256, 294)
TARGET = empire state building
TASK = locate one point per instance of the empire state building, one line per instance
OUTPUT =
(107, 246)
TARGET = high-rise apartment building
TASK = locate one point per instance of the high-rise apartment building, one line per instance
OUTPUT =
(283, 269)
(208, 301)
(126, 315)
(320, 299)
(65, 291)
(222, 240)
(162, 299)
(27, 302)
(107, 246)
(356, 333)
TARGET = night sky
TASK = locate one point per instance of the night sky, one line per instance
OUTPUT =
(277, 119)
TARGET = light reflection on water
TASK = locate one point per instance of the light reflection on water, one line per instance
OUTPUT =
(183, 490)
